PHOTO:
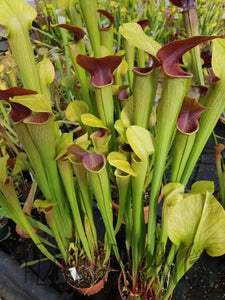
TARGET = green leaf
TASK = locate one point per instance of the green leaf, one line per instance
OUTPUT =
(46, 71)
(24, 13)
(187, 59)
(211, 229)
(3, 168)
(105, 51)
(196, 220)
(36, 102)
(20, 165)
(75, 109)
(62, 3)
(172, 193)
(92, 121)
(33, 262)
(43, 204)
(183, 217)
(39, 225)
(135, 136)
(127, 114)
(202, 187)
(120, 71)
(134, 34)
(83, 141)
(119, 161)
(218, 57)
(170, 189)
(62, 143)
(4, 213)
(121, 129)
(122, 68)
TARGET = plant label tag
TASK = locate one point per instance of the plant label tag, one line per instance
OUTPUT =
(74, 273)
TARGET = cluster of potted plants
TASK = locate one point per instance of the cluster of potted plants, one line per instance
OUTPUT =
(85, 116)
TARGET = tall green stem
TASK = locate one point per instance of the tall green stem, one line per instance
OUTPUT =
(182, 148)
(141, 58)
(66, 52)
(43, 138)
(215, 101)
(190, 18)
(105, 107)
(66, 173)
(90, 15)
(74, 14)
(18, 18)
(34, 157)
(168, 264)
(129, 55)
(74, 50)
(138, 236)
(106, 37)
(101, 187)
(86, 196)
(123, 183)
(145, 87)
(173, 93)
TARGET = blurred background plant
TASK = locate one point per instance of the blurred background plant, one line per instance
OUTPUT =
(210, 15)
(164, 22)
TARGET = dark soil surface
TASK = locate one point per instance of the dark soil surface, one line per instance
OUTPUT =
(205, 280)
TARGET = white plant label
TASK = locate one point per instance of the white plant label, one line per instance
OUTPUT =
(74, 273)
